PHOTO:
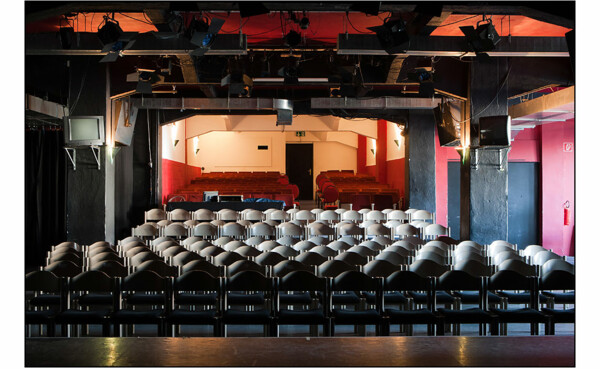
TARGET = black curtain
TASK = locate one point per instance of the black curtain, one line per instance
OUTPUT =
(45, 199)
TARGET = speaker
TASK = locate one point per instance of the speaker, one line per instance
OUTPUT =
(494, 130)
(126, 117)
(445, 126)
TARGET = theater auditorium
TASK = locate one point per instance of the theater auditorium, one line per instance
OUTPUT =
(275, 183)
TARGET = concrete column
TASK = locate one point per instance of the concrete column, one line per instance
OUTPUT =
(420, 144)
(488, 184)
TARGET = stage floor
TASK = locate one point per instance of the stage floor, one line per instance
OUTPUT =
(544, 351)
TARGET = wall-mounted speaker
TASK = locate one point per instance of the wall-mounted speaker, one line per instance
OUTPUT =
(494, 130)
(445, 126)
(125, 116)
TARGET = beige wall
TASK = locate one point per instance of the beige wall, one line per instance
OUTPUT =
(332, 156)
(394, 151)
(169, 133)
(371, 144)
(237, 151)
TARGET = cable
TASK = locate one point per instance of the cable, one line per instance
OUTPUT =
(139, 20)
(491, 102)
(352, 25)
(72, 108)
(449, 24)
(237, 29)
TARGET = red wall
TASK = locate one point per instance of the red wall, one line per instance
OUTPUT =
(361, 155)
(558, 181)
(395, 175)
(175, 176)
(381, 157)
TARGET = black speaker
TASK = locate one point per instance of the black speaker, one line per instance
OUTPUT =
(494, 130)
(445, 126)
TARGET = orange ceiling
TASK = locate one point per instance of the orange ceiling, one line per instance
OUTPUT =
(324, 27)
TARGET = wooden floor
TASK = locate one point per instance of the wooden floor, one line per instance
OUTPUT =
(544, 351)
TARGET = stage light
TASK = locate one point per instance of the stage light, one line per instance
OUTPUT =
(110, 31)
(481, 39)
(292, 39)
(304, 22)
(392, 36)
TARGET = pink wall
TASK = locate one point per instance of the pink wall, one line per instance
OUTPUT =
(558, 181)
(395, 175)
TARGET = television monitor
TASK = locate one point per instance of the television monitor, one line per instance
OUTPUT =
(84, 130)
(211, 196)
(228, 198)
(494, 130)
(445, 126)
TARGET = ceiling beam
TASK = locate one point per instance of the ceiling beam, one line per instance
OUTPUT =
(456, 46)
(379, 103)
(434, 23)
(543, 103)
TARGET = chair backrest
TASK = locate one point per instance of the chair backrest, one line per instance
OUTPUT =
(423, 215)
(65, 256)
(383, 240)
(557, 264)
(518, 266)
(176, 230)
(154, 215)
(301, 280)
(290, 229)
(99, 250)
(333, 268)
(184, 257)
(165, 245)
(203, 215)
(247, 251)
(267, 245)
(286, 251)
(136, 250)
(430, 255)
(146, 281)
(329, 215)
(197, 280)
(93, 281)
(352, 216)
(222, 241)
(233, 229)
(304, 215)
(253, 215)
(352, 258)
(142, 257)
(506, 255)
(269, 258)
(173, 250)
(105, 256)
(233, 245)
(311, 258)
(320, 229)
(145, 230)
(406, 230)
(227, 258)
(349, 240)
(179, 215)
(286, 266)
(509, 280)
(531, 250)
(243, 265)
(163, 223)
(338, 245)
(375, 246)
(397, 215)
(375, 215)
(64, 268)
(392, 257)
(200, 245)
(427, 268)
(353, 280)
(465, 256)
(439, 244)
(399, 250)
(474, 267)
(380, 268)
(432, 248)
(350, 230)
(378, 229)
(406, 280)
(262, 229)
(543, 256)
(111, 267)
(201, 265)
(435, 230)
(363, 250)
(408, 245)
(249, 280)
(191, 240)
(303, 246)
(159, 267)
(557, 280)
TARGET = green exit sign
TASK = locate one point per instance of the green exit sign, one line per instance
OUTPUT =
(300, 133)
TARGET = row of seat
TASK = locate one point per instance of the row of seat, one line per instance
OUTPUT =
(300, 297)
(168, 258)
(330, 216)
(334, 188)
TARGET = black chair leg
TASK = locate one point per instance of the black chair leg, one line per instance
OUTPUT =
(440, 329)
(51, 329)
(106, 330)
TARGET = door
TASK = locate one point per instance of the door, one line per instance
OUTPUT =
(299, 168)
(454, 199)
(523, 204)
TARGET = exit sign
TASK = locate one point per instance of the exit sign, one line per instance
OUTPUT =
(567, 146)
(300, 133)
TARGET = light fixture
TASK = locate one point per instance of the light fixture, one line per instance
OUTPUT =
(481, 39)
(425, 78)
(374, 144)
(304, 22)
(195, 142)
(239, 84)
(292, 39)
(392, 36)
(174, 134)
(203, 35)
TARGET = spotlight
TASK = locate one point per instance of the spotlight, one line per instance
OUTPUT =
(425, 78)
(110, 31)
(304, 23)
(481, 39)
(292, 39)
(289, 74)
(392, 36)
(204, 35)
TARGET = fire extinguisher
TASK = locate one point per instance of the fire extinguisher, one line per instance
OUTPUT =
(567, 213)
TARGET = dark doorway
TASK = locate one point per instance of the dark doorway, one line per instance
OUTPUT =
(523, 204)
(454, 199)
(299, 168)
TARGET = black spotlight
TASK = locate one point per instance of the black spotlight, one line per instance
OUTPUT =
(425, 79)
(110, 31)
(292, 39)
(481, 39)
(392, 36)
(304, 23)
(289, 74)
